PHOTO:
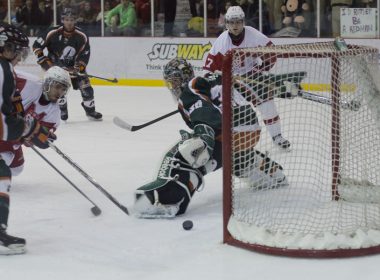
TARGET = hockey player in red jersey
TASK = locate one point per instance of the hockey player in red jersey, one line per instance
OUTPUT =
(239, 36)
(36, 103)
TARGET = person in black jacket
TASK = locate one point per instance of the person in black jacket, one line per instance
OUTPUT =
(68, 47)
(14, 45)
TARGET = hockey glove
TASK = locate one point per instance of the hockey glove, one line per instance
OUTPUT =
(36, 134)
(80, 68)
(198, 149)
(45, 62)
(41, 138)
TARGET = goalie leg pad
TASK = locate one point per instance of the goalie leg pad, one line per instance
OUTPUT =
(165, 200)
(170, 194)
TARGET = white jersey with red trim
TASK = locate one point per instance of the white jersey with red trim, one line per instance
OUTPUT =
(252, 38)
(30, 88)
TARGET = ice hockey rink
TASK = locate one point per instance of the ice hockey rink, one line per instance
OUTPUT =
(66, 241)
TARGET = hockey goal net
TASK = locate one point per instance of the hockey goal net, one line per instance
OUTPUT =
(328, 102)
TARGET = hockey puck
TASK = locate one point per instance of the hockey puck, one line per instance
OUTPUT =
(187, 225)
(96, 211)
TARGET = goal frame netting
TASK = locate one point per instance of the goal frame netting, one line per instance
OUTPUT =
(228, 213)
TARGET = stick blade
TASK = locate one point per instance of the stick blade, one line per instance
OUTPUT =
(122, 124)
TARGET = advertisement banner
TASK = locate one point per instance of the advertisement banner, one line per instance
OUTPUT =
(140, 61)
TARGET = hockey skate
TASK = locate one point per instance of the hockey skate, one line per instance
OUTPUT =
(281, 142)
(91, 113)
(11, 245)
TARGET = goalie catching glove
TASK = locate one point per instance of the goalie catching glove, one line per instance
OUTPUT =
(198, 147)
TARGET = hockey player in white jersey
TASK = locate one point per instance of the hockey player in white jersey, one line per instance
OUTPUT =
(239, 36)
(36, 102)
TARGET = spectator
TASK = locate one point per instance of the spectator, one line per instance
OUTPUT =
(170, 10)
(250, 8)
(3, 10)
(29, 16)
(46, 18)
(212, 9)
(107, 8)
(143, 14)
(274, 15)
(222, 12)
(87, 19)
(193, 7)
(122, 19)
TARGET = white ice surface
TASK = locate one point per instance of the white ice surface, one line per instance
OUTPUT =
(65, 241)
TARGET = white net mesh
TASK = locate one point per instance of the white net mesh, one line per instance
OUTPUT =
(325, 102)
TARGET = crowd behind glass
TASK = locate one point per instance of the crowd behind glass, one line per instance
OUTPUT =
(181, 18)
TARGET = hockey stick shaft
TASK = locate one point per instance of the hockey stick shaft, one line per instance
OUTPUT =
(95, 210)
(75, 74)
(114, 80)
(89, 178)
(353, 106)
(123, 124)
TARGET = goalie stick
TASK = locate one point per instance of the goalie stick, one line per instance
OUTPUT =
(89, 178)
(95, 210)
(123, 124)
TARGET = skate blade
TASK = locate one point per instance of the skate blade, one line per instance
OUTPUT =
(93, 119)
(15, 249)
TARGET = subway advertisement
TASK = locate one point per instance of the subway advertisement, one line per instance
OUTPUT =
(139, 61)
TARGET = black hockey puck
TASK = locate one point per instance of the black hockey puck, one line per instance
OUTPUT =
(187, 225)
(96, 211)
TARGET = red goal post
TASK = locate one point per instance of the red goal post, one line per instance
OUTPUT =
(329, 111)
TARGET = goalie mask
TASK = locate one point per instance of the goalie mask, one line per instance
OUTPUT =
(56, 83)
(177, 73)
(235, 20)
(13, 42)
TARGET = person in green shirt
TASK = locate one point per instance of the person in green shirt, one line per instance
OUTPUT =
(122, 19)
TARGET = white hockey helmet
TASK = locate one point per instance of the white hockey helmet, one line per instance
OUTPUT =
(234, 13)
(56, 83)
(234, 20)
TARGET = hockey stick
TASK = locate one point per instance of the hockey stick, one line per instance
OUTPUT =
(352, 105)
(114, 80)
(74, 74)
(95, 210)
(89, 178)
(123, 124)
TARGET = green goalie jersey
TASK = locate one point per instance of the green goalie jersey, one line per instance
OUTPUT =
(200, 103)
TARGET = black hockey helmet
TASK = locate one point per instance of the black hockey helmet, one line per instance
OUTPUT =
(14, 39)
(177, 72)
(68, 12)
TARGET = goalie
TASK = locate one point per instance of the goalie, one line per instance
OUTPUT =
(200, 152)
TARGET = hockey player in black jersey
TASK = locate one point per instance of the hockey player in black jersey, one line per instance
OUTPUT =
(14, 45)
(68, 47)
(200, 151)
